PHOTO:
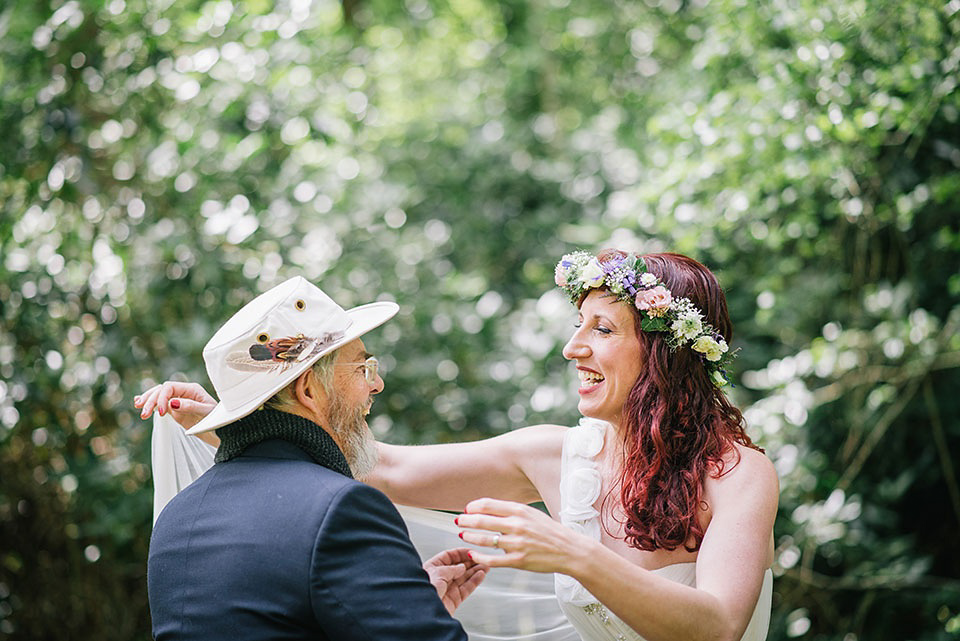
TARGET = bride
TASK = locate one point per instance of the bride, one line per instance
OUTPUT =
(661, 510)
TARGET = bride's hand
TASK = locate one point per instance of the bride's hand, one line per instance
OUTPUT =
(529, 538)
(187, 403)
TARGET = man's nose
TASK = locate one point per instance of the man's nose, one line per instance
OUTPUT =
(377, 385)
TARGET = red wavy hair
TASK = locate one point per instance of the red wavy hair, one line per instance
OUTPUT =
(677, 426)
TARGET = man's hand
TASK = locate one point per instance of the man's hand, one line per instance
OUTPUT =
(455, 576)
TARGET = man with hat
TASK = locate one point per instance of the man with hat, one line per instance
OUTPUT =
(277, 540)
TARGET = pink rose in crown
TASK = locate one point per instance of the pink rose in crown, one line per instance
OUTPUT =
(654, 301)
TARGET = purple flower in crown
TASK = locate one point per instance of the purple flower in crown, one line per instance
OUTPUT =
(613, 264)
(629, 283)
(562, 271)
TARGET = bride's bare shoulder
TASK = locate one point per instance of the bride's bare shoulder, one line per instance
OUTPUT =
(746, 471)
(541, 438)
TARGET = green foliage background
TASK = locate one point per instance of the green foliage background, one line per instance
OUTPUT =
(161, 162)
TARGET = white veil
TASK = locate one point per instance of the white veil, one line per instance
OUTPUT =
(510, 605)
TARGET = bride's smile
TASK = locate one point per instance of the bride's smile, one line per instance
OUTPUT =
(607, 354)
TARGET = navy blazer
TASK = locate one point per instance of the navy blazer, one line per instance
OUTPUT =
(271, 545)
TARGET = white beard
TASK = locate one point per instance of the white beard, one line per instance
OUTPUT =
(354, 436)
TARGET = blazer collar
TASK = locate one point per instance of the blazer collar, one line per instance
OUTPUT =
(269, 425)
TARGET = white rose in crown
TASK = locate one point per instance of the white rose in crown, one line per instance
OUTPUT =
(592, 274)
(581, 489)
(586, 439)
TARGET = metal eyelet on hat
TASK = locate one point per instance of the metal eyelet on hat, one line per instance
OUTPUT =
(263, 337)
(300, 304)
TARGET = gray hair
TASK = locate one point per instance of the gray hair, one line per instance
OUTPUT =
(286, 399)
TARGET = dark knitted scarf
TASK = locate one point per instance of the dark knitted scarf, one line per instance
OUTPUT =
(267, 424)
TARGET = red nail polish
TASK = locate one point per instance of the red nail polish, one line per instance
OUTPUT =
(456, 521)
(175, 403)
(160, 411)
(460, 534)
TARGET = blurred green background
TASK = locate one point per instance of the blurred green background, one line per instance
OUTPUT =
(162, 162)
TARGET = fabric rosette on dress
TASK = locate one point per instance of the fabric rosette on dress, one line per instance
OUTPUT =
(580, 488)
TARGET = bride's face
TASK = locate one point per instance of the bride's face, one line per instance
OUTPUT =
(607, 353)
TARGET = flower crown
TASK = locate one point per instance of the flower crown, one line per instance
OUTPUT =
(627, 278)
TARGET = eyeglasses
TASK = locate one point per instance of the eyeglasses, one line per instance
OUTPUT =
(371, 367)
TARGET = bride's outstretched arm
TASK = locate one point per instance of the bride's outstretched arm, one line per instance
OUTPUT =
(511, 466)
(733, 558)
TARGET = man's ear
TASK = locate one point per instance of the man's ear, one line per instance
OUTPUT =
(310, 394)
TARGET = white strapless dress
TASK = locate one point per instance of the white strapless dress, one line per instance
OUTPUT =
(580, 485)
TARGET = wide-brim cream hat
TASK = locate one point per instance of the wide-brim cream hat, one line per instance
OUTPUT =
(273, 339)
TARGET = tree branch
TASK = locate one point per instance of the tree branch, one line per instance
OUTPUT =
(940, 440)
(877, 434)
(915, 372)
(895, 375)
